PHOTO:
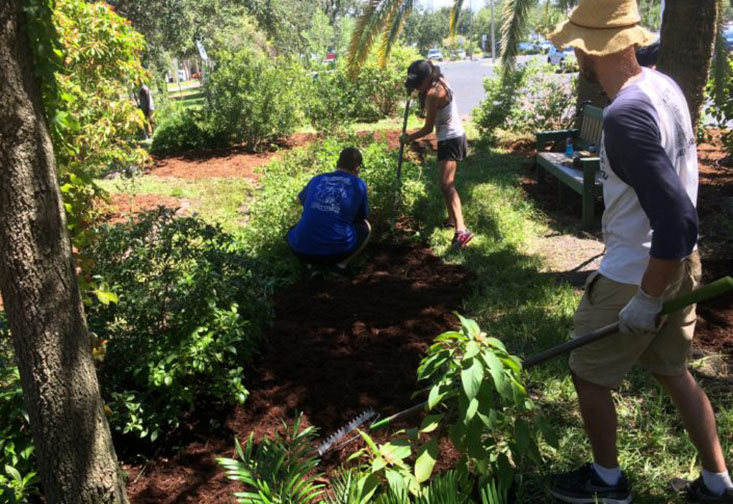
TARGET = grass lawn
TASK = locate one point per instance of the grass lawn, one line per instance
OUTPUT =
(530, 310)
(216, 200)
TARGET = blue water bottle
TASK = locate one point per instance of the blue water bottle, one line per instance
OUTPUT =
(569, 147)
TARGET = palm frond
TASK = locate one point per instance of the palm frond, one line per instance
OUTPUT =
(367, 28)
(393, 28)
(515, 24)
(720, 60)
(451, 487)
(494, 493)
(279, 469)
(455, 15)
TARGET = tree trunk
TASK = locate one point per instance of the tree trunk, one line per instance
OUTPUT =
(76, 459)
(687, 39)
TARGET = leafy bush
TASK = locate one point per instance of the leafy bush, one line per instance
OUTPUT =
(337, 99)
(186, 322)
(252, 98)
(182, 130)
(522, 101)
(18, 479)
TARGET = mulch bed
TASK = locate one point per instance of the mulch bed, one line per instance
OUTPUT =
(338, 346)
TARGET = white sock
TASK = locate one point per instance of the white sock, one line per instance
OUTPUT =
(609, 476)
(717, 482)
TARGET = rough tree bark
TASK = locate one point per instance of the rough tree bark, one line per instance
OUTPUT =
(687, 40)
(76, 459)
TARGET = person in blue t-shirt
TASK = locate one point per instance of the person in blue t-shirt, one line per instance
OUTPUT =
(333, 228)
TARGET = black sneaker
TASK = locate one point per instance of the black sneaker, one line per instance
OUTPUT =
(697, 491)
(584, 486)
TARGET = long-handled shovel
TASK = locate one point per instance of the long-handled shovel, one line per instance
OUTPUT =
(711, 290)
(398, 178)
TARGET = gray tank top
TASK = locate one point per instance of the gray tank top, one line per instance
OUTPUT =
(447, 122)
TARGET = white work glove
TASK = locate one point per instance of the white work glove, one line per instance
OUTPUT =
(641, 313)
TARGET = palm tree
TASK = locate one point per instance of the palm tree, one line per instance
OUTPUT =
(385, 18)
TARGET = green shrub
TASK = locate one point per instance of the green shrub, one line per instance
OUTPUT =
(332, 95)
(186, 322)
(18, 479)
(253, 99)
(522, 101)
(180, 131)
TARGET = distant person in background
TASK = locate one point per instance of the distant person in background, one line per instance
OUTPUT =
(333, 228)
(145, 100)
(441, 112)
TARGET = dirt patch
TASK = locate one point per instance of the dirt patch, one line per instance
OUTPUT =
(237, 163)
(122, 206)
(338, 346)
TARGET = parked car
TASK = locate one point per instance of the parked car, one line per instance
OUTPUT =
(330, 58)
(544, 47)
(461, 54)
(435, 54)
(564, 58)
(527, 48)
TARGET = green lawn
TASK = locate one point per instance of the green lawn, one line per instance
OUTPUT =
(530, 310)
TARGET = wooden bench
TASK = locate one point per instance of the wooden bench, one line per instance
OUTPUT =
(583, 175)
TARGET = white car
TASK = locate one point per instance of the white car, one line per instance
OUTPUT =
(435, 54)
(461, 54)
(564, 58)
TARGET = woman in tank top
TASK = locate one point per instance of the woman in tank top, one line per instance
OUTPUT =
(441, 112)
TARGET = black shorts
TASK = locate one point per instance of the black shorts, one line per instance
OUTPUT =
(452, 149)
(362, 233)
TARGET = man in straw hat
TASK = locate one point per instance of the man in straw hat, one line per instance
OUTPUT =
(649, 167)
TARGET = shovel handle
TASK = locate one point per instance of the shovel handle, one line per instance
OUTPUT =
(711, 290)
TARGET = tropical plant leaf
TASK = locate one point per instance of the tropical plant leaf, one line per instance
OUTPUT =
(455, 14)
(515, 24)
(393, 28)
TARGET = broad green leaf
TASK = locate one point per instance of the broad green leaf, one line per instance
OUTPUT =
(396, 450)
(471, 377)
(396, 482)
(430, 423)
(471, 410)
(427, 455)
(469, 327)
(367, 486)
(368, 441)
(472, 349)
(496, 368)
(13, 472)
(496, 343)
(435, 396)
(449, 335)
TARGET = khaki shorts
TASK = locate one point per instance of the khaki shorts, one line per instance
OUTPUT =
(664, 352)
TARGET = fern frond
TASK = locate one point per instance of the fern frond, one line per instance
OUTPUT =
(455, 15)
(515, 24)
(720, 60)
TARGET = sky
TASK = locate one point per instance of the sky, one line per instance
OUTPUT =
(476, 5)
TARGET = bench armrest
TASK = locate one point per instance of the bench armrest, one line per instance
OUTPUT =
(544, 137)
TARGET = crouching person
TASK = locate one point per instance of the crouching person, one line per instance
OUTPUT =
(333, 228)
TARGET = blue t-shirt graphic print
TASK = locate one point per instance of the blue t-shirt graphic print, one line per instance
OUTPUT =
(332, 204)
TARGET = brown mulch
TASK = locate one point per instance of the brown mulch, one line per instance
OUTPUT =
(238, 163)
(121, 207)
(338, 346)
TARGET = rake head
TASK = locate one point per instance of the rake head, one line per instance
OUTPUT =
(337, 436)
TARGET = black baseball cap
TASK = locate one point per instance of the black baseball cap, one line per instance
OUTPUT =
(417, 72)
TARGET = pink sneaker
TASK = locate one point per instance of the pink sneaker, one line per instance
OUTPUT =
(461, 238)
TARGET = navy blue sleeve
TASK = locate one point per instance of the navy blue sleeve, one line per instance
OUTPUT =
(635, 153)
(363, 212)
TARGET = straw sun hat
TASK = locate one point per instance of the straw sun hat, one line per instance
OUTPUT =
(602, 27)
